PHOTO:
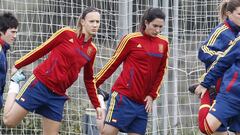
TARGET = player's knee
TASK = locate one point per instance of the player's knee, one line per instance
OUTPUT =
(8, 122)
(106, 132)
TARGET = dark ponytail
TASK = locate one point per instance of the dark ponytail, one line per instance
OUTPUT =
(149, 15)
(228, 5)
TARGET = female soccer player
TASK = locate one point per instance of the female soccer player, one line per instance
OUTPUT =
(8, 32)
(144, 56)
(44, 92)
(218, 41)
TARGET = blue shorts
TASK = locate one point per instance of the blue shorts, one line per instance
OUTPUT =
(233, 125)
(1, 96)
(228, 114)
(1, 101)
(126, 115)
(34, 96)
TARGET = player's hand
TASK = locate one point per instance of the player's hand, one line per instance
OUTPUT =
(192, 88)
(200, 91)
(99, 111)
(13, 70)
(149, 102)
(100, 122)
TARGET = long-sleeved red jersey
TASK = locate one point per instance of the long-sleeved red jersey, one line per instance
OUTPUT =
(68, 54)
(144, 62)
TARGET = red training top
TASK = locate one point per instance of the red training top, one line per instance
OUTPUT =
(68, 54)
(144, 62)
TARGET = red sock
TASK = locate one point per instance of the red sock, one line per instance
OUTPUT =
(207, 128)
(206, 99)
(203, 111)
(205, 105)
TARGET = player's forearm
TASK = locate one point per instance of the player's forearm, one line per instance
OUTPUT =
(42, 50)
(28, 58)
(207, 57)
(92, 94)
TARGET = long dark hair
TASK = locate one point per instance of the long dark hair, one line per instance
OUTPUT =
(85, 12)
(149, 15)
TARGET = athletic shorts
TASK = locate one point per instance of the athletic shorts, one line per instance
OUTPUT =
(228, 114)
(126, 115)
(34, 96)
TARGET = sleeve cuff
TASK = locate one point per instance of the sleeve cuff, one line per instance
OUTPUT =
(205, 85)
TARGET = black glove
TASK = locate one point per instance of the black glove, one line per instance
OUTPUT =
(192, 88)
(212, 90)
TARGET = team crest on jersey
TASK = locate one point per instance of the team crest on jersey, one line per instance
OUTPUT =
(89, 51)
(160, 48)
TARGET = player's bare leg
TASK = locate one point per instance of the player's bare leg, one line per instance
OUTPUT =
(213, 122)
(13, 112)
(50, 127)
(109, 130)
(100, 122)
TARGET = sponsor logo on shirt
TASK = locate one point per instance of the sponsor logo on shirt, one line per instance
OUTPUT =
(139, 46)
(22, 99)
(70, 40)
(114, 120)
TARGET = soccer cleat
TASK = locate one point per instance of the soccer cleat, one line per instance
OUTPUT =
(212, 90)
(103, 93)
(18, 76)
